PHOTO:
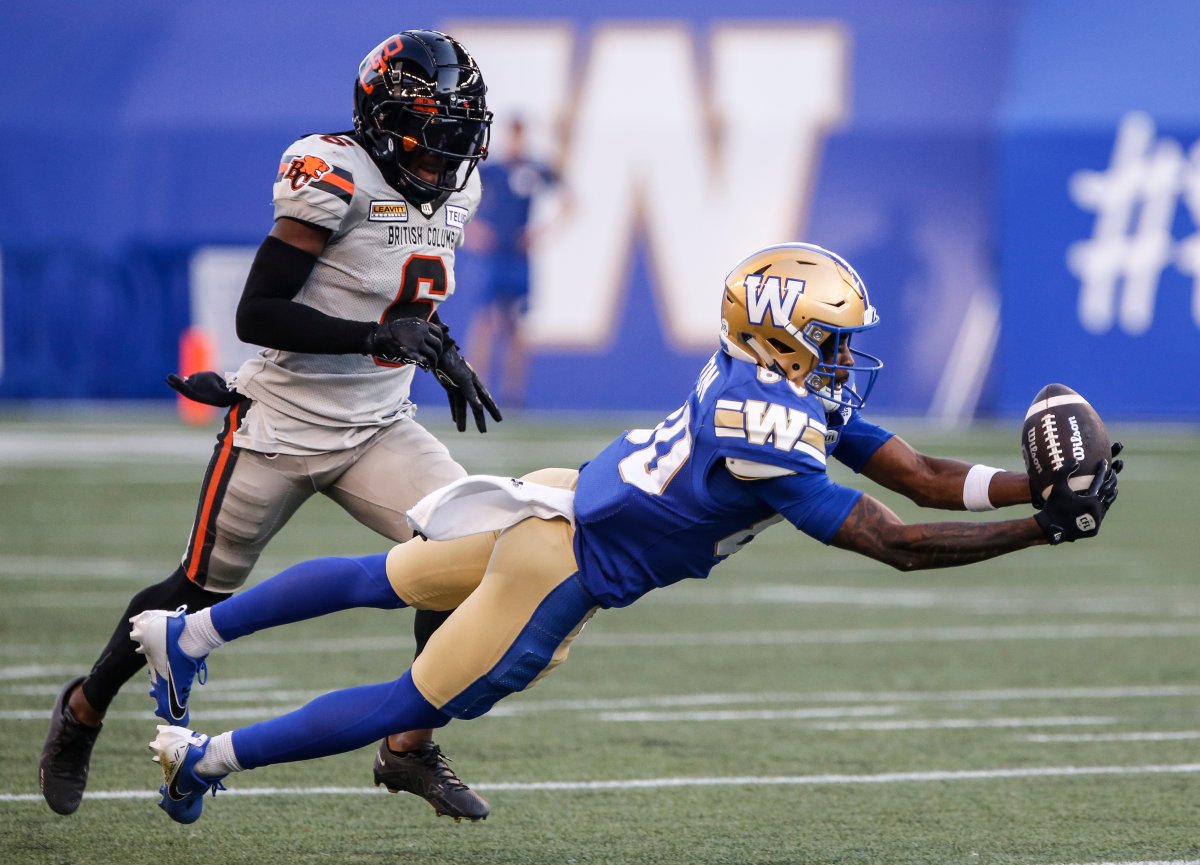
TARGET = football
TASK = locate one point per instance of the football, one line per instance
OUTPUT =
(1061, 427)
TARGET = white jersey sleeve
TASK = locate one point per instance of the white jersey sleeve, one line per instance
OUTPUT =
(315, 183)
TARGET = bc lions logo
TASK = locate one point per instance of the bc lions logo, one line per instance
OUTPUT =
(306, 169)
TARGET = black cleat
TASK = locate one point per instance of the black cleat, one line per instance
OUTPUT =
(427, 773)
(63, 768)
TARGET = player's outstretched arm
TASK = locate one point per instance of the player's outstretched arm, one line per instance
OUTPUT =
(873, 530)
(940, 482)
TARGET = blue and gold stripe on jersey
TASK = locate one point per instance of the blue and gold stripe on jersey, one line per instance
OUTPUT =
(770, 424)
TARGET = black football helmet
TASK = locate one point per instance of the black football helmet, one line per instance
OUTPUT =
(420, 92)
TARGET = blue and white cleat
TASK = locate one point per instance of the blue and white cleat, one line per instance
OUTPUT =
(177, 750)
(171, 670)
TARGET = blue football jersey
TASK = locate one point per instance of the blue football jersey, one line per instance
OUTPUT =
(746, 450)
(852, 438)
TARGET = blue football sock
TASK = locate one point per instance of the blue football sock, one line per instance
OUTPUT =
(305, 591)
(337, 722)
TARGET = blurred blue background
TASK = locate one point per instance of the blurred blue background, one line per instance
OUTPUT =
(1018, 183)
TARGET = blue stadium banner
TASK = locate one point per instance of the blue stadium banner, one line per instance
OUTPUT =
(1015, 183)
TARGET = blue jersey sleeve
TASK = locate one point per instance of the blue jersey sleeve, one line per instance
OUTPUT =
(810, 501)
(857, 441)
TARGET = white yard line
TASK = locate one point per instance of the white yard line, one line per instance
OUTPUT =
(1085, 601)
(255, 712)
(250, 713)
(1082, 601)
(981, 633)
(658, 783)
(1164, 736)
(1155, 862)
(963, 724)
(266, 690)
(889, 725)
(94, 446)
(987, 695)
(34, 671)
(752, 714)
(688, 639)
(19, 567)
(221, 690)
(725, 715)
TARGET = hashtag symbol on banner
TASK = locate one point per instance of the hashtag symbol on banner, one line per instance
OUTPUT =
(1135, 202)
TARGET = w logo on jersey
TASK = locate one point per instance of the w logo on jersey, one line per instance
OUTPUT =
(771, 297)
(305, 169)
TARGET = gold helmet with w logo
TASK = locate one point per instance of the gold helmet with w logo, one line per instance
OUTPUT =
(792, 308)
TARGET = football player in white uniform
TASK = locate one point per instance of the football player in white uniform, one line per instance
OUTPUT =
(344, 295)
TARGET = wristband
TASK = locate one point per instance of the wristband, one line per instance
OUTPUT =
(975, 488)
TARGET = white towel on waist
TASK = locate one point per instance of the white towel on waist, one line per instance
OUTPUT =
(486, 503)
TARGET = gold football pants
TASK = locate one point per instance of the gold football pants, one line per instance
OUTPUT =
(519, 607)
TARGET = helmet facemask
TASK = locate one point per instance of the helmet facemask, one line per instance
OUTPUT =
(405, 131)
(823, 380)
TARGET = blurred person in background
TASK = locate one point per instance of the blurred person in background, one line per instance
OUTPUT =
(344, 295)
(504, 233)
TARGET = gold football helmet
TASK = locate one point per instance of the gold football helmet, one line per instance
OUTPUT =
(792, 308)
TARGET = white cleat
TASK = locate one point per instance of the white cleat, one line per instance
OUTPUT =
(177, 750)
(172, 671)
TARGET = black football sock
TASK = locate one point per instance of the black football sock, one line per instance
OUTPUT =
(425, 623)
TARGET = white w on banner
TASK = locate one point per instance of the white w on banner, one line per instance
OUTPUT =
(1135, 201)
(707, 149)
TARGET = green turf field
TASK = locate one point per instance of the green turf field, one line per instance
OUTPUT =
(801, 706)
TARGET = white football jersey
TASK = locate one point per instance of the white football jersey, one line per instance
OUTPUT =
(387, 258)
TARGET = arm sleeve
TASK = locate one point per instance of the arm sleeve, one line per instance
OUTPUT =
(810, 501)
(268, 315)
(858, 442)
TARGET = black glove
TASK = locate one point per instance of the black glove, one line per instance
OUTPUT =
(1108, 489)
(463, 388)
(205, 387)
(405, 340)
(1069, 515)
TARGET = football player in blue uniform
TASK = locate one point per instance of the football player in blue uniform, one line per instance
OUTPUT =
(525, 563)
